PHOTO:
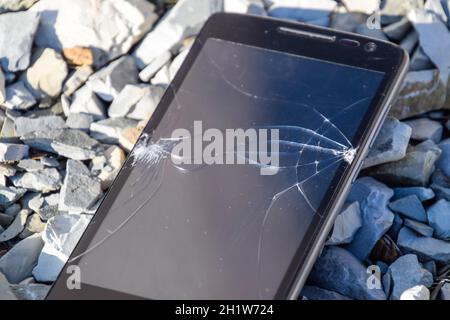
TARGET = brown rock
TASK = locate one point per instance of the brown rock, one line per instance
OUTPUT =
(79, 56)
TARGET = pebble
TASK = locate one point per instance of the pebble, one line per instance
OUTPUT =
(346, 225)
(419, 292)
(406, 273)
(127, 99)
(444, 294)
(144, 109)
(33, 225)
(425, 248)
(13, 209)
(45, 206)
(153, 67)
(443, 163)
(411, 207)
(18, 97)
(421, 228)
(430, 266)
(420, 61)
(114, 158)
(60, 237)
(422, 193)
(45, 77)
(24, 125)
(373, 197)
(85, 101)
(390, 144)
(440, 184)
(30, 165)
(439, 219)
(77, 79)
(6, 292)
(75, 144)
(17, 30)
(128, 137)
(111, 27)
(424, 129)
(80, 190)
(9, 195)
(339, 271)
(15, 227)
(109, 81)
(108, 130)
(44, 180)
(12, 151)
(398, 30)
(316, 293)
(31, 291)
(79, 121)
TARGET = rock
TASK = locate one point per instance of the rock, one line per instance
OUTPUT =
(439, 219)
(8, 129)
(367, 7)
(387, 284)
(44, 180)
(128, 137)
(398, 30)
(77, 79)
(79, 56)
(45, 206)
(393, 10)
(443, 163)
(50, 162)
(5, 290)
(69, 143)
(390, 144)
(316, 293)
(33, 225)
(12, 151)
(18, 97)
(108, 130)
(5, 220)
(79, 121)
(368, 32)
(112, 27)
(9, 195)
(2, 87)
(385, 250)
(13, 209)
(422, 193)
(422, 91)
(431, 267)
(346, 225)
(155, 65)
(424, 129)
(31, 291)
(177, 62)
(414, 169)
(410, 42)
(45, 77)
(109, 81)
(127, 99)
(18, 262)
(302, 10)
(440, 184)
(16, 226)
(60, 237)
(420, 61)
(114, 159)
(416, 293)
(15, 5)
(30, 165)
(16, 39)
(144, 109)
(347, 21)
(444, 294)
(162, 77)
(185, 19)
(406, 273)
(80, 190)
(7, 170)
(425, 248)
(339, 271)
(420, 228)
(377, 218)
(24, 125)
(411, 207)
(85, 101)
(244, 6)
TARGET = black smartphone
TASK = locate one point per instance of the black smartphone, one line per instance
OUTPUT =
(193, 215)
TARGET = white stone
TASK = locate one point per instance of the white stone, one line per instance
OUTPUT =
(366, 6)
(346, 225)
(18, 97)
(77, 79)
(85, 101)
(303, 10)
(149, 71)
(177, 62)
(162, 77)
(416, 293)
(144, 109)
(127, 99)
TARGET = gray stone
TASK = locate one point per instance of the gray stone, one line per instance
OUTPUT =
(410, 42)
(339, 271)
(44, 180)
(431, 267)
(386, 280)
(30, 165)
(109, 81)
(411, 207)
(185, 19)
(45, 206)
(18, 262)
(108, 130)
(414, 169)
(13, 209)
(406, 273)
(80, 190)
(18, 97)
(12, 151)
(420, 228)
(9, 195)
(50, 162)
(346, 225)
(127, 99)
(69, 143)
(79, 121)
(31, 291)
(15, 5)
(15, 227)
(6, 292)
(32, 225)
(111, 163)
(397, 30)
(443, 162)
(175, 65)
(24, 125)
(373, 197)
(144, 109)
(17, 31)
(111, 27)
(77, 79)
(425, 248)
(85, 101)
(419, 292)
(390, 144)
(422, 193)
(316, 293)
(5, 220)
(422, 91)
(60, 237)
(8, 129)
(45, 77)
(419, 61)
(439, 219)
(424, 129)
(444, 294)
(150, 70)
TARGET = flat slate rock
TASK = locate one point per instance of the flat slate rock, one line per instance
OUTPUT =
(439, 219)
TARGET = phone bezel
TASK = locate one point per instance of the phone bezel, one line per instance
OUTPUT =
(264, 33)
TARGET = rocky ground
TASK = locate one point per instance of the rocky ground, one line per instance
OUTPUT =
(79, 79)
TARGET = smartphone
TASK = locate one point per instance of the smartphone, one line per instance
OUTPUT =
(235, 182)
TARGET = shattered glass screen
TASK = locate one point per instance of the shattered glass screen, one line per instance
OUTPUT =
(221, 230)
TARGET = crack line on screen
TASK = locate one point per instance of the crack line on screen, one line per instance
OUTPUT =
(295, 141)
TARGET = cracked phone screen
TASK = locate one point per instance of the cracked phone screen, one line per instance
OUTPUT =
(221, 230)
